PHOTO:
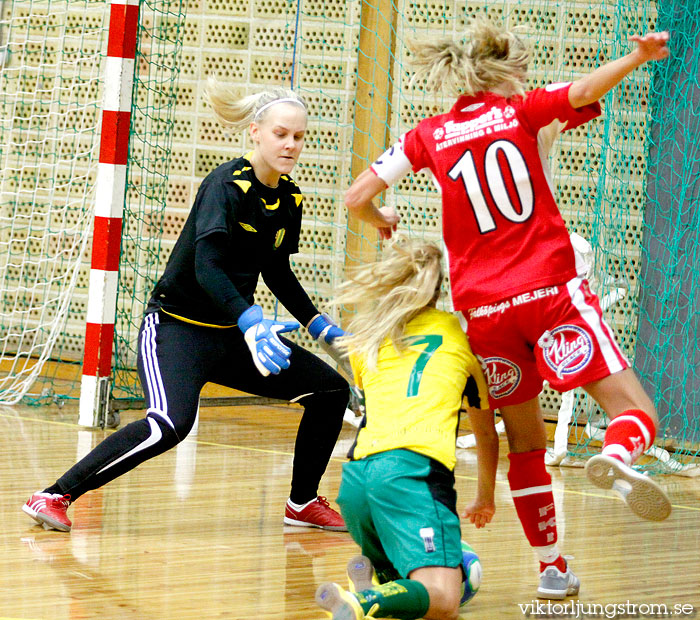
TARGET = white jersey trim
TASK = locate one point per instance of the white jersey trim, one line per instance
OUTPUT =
(550, 88)
(155, 387)
(155, 436)
(608, 347)
(393, 164)
(545, 488)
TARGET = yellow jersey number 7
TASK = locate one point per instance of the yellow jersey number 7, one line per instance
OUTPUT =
(432, 343)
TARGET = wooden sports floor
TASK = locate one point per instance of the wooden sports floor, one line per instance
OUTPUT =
(197, 533)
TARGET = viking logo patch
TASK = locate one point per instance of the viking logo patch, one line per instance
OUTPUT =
(279, 237)
(567, 349)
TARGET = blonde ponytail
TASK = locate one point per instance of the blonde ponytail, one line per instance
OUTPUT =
(487, 58)
(235, 113)
(388, 294)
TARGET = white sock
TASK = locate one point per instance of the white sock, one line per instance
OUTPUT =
(548, 553)
(299, 507)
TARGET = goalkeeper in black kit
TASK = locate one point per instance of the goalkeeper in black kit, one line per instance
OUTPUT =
(202, 324)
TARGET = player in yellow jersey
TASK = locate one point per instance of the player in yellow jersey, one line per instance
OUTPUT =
(397, 495)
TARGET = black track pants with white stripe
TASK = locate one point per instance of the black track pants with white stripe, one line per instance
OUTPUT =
(175, 360)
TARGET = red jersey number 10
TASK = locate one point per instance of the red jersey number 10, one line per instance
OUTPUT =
(496, 184)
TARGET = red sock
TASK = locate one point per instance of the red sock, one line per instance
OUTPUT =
(531, 487)
(560, 563)
(629, 435)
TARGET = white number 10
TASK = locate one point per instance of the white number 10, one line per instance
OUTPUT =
(466, 169)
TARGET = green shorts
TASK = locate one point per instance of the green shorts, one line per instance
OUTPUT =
(401, 508)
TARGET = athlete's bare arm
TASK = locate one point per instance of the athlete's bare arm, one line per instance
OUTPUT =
(481, 510)
(359, 200)
(590, 88)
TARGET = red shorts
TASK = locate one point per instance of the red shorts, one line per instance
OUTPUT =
(555, 334)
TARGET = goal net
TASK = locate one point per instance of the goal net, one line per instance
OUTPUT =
(52, 75)
(51, 63)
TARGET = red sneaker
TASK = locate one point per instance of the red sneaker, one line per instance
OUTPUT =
(49, 510)
(316, 514)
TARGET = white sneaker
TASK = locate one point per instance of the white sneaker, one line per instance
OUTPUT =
(645, 498)
(361, 574)
(557, 585)
(341, 604)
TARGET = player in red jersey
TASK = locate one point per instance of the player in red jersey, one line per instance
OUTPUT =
(529, 312)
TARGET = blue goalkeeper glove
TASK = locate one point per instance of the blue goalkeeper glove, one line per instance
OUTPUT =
(325, 331)
(323, 328)
(269, 354)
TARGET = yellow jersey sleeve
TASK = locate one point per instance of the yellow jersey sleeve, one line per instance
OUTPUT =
(413, 399)
(356, 366)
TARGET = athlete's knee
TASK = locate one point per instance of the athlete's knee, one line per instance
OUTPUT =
(441, 612)
(621, 392)
(337, 401)
(444, 590)
(163, 431)
(333, 395)
(444, 603)
(525, 427)
(336, 387)
(341, 394)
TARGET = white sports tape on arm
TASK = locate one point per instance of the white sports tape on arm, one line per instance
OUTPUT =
(393, 164)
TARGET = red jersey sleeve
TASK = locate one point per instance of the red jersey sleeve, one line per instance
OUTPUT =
(542, 106)
(415, 150)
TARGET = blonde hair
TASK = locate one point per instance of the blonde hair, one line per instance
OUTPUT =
(487, 58)
(236, 113)
(389, 293)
